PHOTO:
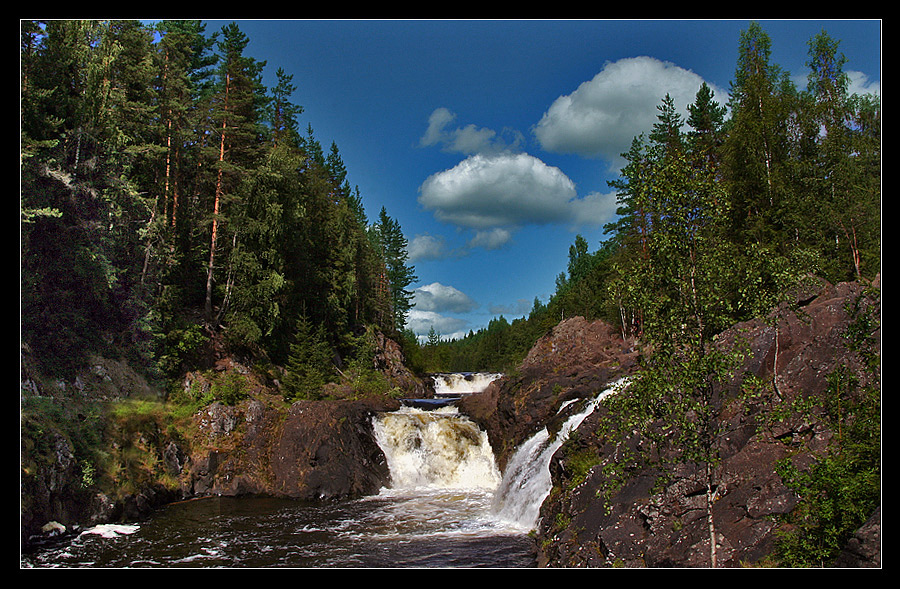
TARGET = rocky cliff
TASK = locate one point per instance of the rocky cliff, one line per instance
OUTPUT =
(575, 360)
(651, 521)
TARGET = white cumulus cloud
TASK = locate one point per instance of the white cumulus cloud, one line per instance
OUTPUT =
(601, 117)
(505, 190)
(440, 298)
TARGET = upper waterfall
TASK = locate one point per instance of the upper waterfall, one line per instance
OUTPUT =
(462, 383)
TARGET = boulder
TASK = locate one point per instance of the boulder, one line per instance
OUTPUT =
(313, 450)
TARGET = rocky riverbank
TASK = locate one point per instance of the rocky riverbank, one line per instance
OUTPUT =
(311, 450)
(322, 450)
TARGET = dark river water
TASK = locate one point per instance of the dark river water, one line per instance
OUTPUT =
(447, 506)
(436, 529)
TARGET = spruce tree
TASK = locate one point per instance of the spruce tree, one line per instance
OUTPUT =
(707, 121)
(762, 103)
(309, 365)
(400, 275)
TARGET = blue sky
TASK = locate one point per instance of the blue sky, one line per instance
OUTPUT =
(492, 141)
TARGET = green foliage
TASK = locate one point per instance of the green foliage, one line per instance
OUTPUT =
(230, 389)
(579, 464)
(309, 366)
(166, 192)
(181, 349)
(841, 490)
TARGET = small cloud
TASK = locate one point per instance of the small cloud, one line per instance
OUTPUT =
(520, 308)
(468, 139)
(441, 298)
(435, 134)
(491, 239)
(488, 191)
(429, 247)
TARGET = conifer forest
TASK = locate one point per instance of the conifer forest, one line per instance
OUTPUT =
(168, 197)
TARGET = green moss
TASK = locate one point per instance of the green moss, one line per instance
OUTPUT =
(579, 464)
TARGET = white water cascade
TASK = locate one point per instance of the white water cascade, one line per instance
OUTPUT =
(456, 384)
(440, 454)
(437, 449)
(526, 481)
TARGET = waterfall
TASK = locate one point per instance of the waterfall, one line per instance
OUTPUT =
(462, 383)
(526, 481)
(435, 449)
(442, 451)
(439, 448)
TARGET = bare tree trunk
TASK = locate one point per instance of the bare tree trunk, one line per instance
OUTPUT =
(148, 250)
(229, 282)
(710, 500)
(216, 204)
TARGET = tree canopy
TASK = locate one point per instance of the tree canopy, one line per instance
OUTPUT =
(167, 193)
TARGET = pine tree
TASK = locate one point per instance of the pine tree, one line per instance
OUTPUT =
(666, 133)
(271, 202)
(259, 307)
(237, 111)
(309, 364)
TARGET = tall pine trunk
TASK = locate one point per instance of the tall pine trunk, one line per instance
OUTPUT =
(216, 204)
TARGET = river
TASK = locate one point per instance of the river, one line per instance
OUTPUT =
(447, 506)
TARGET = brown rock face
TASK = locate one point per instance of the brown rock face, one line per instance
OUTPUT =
(575, 360)
(793, 351)
(317, 450)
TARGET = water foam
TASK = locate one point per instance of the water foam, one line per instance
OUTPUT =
(526, 481)
(462, 383)
(441, 455)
